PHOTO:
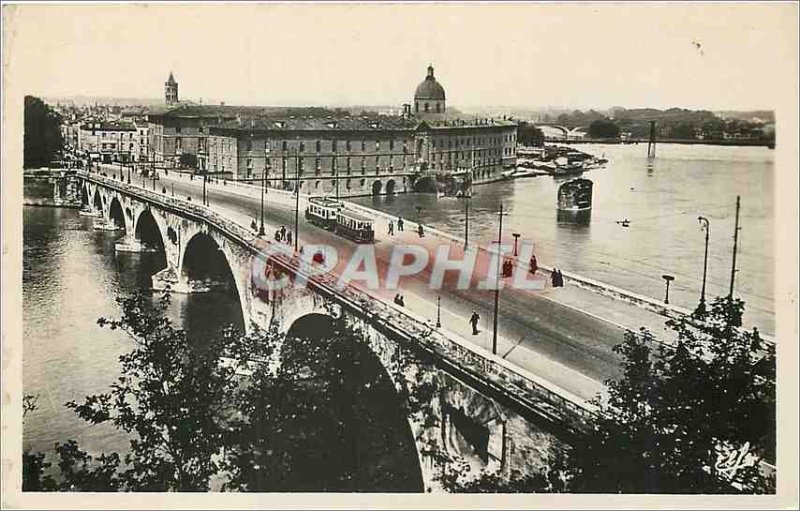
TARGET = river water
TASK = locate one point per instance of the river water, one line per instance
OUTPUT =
(71, 277)
(661, 198)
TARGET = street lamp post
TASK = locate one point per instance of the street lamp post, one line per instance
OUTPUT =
(516, 238)
(438, 311)
(667, 279)
(466, 222)
(497, 286)
(263, 189)
(205, 178)
(701, 307)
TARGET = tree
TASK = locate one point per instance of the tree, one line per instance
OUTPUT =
(42, 140)
(603, 128)
(668, 423)
(188, 160)
(529, 135)
(173, 398)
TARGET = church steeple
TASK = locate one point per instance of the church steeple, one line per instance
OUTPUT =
(171, 90)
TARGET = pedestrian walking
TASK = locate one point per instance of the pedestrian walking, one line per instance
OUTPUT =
(420, 231)
(474, 322)
(534, 265)
(283, 232)
(391, 228)
(560, 279)
(253, 225)
(401, 301)
(289, 238)
(277, 234)
(554, 277)
(400, 224)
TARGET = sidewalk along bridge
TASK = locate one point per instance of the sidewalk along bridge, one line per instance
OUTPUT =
(485, 411)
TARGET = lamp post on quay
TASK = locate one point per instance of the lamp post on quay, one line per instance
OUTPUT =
(701, 307)
(516, 238)
(667, 279)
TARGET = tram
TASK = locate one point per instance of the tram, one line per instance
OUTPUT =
(332, 215)
(321, 211)
(354, 226)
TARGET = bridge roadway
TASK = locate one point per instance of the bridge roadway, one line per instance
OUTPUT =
(568, 347)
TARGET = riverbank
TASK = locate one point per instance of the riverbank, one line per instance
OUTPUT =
(608, 141)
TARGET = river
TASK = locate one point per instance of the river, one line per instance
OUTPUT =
(661, 198)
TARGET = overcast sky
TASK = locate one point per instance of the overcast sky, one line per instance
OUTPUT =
(735, 56)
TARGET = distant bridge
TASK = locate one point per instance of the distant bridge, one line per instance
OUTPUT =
(487, 411)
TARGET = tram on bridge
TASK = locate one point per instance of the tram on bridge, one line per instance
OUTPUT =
(332, 215)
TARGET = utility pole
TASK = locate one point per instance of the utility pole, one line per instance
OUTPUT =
(735, 243)
(651, 144)
(296, 200)
(499, 280)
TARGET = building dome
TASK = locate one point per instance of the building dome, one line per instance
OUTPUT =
(429, 89)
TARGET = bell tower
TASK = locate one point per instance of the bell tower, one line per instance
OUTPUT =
(171, 91)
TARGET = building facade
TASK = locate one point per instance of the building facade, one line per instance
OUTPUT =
(338, 154)
(109, 142)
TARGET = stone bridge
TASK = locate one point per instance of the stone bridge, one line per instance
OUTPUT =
(484, 411)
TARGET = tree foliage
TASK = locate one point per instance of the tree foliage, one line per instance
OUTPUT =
(603, 128)
(43, 139)
(677, 410)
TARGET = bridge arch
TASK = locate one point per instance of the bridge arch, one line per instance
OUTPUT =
(391, 185)
(116, 213)
(205, 264)
(376, 187)
(147, 231)
(97, 202)
(362, 406)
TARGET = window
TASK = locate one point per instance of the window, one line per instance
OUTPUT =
(104, 134)
(318, 145)
(300, 166)
(391, 145)
(348, 145)
(427, 107)
(250, 145)
(363, 182)
(363, 145)
(284, 146)
(200, 129)
(317, 167)
(302, 146)
(177, 129)
(334, 146)
(438, 107)
(377, 145)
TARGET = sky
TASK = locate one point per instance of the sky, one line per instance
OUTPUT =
(709, 56)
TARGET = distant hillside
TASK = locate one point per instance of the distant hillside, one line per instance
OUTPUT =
(752, 115)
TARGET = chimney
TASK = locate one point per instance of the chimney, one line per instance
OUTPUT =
(406, 110)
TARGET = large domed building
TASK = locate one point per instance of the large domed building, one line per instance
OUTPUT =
(429, 98)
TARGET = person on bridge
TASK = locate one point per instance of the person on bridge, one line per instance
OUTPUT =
(283, 232)
(474, 322)
(400, 224)
(391, 228)
(534, 264)
(289, 237)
